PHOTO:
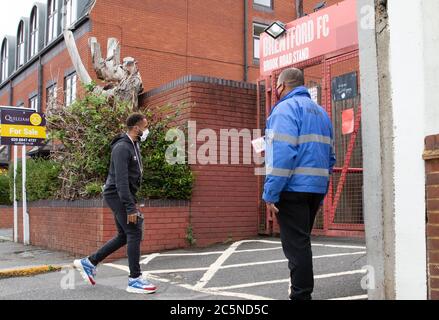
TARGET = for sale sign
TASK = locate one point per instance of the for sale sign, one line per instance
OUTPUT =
(21, 126)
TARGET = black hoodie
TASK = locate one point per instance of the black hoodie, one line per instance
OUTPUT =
(126, 170)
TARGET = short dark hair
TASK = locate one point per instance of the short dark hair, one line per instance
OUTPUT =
(292, 77)
(134, 119)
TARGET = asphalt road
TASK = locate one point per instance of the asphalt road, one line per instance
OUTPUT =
(253, 269)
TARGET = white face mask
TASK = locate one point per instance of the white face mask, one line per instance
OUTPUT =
(144, 135)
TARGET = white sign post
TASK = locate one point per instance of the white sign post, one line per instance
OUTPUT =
(15, 195)
(25, 213)
(25, 127)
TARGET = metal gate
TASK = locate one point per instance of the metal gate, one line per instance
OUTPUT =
(342, 212)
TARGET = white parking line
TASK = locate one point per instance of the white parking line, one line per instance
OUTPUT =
(361, 297)
(118, 266)
(154, 255)
(285, 260)
(337, 246)
(149, 258)
(255, 284)
(177, 270)
(214, 267)
(255, 250)
(225, 293)
(217, 265)
(183, 254)
(249, 264)
(193, 288)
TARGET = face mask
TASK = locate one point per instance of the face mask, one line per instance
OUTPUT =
(144, 135)
(279, 93)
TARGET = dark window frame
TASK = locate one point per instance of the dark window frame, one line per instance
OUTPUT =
(68, 78)
(254, 37)
(52, 20)
(4, 61)
(21, 45)
(263, 7)
(51, 89)
(34, 32)
(32, 99)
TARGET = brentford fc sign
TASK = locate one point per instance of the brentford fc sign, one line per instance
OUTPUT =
(322, 32)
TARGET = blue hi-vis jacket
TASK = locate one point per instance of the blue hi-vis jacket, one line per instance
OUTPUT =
(299, 155)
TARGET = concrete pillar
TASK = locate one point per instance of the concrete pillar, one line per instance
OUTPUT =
(373, 184)
(400, 98)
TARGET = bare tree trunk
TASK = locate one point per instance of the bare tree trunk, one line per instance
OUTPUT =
(76, 58)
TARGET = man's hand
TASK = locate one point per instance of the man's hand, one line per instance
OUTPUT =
(272, 208)
(132, 218)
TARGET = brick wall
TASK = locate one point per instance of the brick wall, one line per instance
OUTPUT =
(224, 201)
(431, 157)
(55, 64)
(309, 5)
(169, 38)
(6, 217)
(191, 37)
(81, 227)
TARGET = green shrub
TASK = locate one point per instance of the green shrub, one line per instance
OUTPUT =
(93, 189)
(161, 179)
(5, 199)
(42, 180)
(86, 129)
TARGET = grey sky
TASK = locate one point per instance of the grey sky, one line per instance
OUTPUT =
(10, 13)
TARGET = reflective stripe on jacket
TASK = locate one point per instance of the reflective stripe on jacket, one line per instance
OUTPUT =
(299, 154)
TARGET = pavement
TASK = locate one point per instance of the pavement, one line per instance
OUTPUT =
(6, 234)
(253, 269)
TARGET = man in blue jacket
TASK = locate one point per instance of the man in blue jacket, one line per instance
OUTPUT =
(299, 160)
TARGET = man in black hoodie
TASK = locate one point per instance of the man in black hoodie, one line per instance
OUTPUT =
(120, 190)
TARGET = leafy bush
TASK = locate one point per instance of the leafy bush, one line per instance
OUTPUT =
(93, 189)
(42, 180)
(161, 179)
(4, 190)
(86, 129)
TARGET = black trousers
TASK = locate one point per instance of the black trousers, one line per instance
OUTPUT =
(127, 234)
(297, 212)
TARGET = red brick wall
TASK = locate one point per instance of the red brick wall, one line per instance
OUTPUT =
(171, 38)
(25, 88)
(53, 69)
(6, 217)
(81, 229)
(431, 157)
(224, 201)
(192, 38)
(308, 5)
(165, 229)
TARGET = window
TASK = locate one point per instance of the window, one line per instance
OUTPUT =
(4, 61)
(51, 96)
(257, 30)
(34, 32)
(265, 3)
(33, 103)
(20, 45)
(52, 20)
(70, 13)
(70, 89)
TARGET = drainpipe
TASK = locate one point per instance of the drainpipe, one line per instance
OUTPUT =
(40, 84)
(11, 95)
(299, 9)
(245, 40)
